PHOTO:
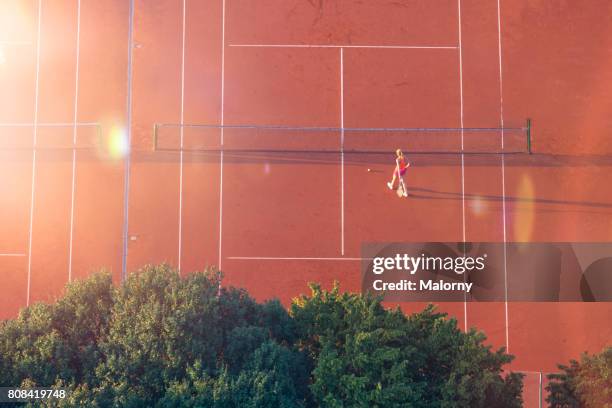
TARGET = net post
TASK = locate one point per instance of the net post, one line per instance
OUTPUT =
(155, 126)
(529, 135)
(99, 132)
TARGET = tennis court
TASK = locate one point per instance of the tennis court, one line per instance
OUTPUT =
(240, 134)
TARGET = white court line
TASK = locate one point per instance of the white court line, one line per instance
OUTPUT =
(342, 151)
(404, 47)
(305, 258)
(74, 139)
(501, 115)
(465, 317)
(128, 157)
(222, 123)
(34, 140)
(180, 226)
(12, 255)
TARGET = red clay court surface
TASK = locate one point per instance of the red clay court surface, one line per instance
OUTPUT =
(276, 221)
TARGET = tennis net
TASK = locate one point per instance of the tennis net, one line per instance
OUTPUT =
(50, 136)
(256, 138)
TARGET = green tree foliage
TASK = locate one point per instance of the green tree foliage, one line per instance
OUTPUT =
(367, 356)
(159, 340)
(47, 342)
(584, 384)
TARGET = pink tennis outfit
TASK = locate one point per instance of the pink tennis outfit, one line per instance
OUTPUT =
(401, 163)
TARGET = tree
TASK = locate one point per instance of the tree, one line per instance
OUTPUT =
(47, 342)
(162, 340)
(367, 356)
(584, 384)
(155, 340)
(169, 333)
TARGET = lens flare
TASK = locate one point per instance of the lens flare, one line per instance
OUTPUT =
(478, 206)
(117, 145)
(524, 213)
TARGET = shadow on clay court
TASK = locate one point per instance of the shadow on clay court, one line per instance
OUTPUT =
(430, 194)
(319, 157)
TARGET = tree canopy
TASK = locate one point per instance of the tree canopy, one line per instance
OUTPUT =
(583, 384)
(162, 340)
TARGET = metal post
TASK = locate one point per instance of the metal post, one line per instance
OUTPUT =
(155, 128)
(540, 391)
(529, 135)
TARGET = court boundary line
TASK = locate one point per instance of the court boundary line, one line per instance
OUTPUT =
(180, 222)
(10, 255)
(74, 141)
(403, 47)
(465, 313)
(34, 141)
(342, 151)
(222, 140)
(503, 161)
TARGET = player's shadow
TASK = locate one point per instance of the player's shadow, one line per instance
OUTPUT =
(431, 194)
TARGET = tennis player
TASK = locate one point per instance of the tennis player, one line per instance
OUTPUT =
(398, 174)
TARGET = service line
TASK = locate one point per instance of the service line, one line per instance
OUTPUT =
(399, 47)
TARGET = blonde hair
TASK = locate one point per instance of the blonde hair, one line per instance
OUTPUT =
(399, 153)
